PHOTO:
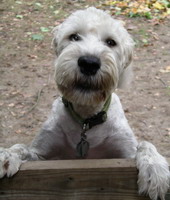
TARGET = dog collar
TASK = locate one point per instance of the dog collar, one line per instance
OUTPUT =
(86, 124)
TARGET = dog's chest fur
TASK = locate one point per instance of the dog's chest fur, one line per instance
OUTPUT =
(107, 140)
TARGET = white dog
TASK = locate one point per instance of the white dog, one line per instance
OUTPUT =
(94, 56)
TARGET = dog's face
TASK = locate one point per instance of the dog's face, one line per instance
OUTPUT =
(93, 49)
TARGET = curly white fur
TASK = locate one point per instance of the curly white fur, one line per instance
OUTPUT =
(154, 175)
(93, 27)
(113, 139)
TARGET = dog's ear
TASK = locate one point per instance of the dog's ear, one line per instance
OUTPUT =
(125, 77)
(55, 38)
(128, 48)
(129, 59)
(126, 73)
(54, 45)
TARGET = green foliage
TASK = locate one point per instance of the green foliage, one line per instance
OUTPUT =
(148, 15)
(18, 2)
(38, 5)
(37, 37)
(19, 16)
(44, 29)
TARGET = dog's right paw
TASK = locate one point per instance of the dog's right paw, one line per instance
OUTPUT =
(154, 175)
(9, 163)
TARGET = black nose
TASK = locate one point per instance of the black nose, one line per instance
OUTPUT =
(89, 65)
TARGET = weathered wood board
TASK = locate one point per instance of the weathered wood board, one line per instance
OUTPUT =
(105, 179)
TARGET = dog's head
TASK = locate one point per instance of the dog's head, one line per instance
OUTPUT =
(93, 50)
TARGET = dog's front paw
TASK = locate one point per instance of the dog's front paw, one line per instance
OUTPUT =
(9, 163)
(154, 175)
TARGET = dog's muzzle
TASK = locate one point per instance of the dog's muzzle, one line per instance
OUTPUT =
(89, 65)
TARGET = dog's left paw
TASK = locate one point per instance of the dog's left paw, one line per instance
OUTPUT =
(154, 175)
(9, 163)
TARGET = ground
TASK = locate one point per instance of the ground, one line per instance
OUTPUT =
(27, 73)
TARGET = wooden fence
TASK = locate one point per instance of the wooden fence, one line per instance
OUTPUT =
(108, 179)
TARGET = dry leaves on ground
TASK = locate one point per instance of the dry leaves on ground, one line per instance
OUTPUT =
(150, 9)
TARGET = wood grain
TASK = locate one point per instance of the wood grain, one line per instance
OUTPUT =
(108, 179)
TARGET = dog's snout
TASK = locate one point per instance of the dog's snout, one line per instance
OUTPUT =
(89, 65)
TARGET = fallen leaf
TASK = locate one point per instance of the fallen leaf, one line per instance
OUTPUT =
(166, 70)
(155, 36)
(145, 41)
(38, 4)
(32, 56)
(44, 29)
(158, 6)
(19, 16)
(131, 27)
(56, 12)
(13, 114)
(156, 9)
(168, 130)
(18, 131)
(11, 105)
(157, 94)
(18, 2)
(37, 37)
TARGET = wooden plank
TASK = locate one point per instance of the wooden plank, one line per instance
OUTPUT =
(109, 179)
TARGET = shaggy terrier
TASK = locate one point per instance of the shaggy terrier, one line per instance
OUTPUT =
(94, 54)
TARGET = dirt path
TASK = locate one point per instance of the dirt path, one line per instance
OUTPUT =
(26, 73)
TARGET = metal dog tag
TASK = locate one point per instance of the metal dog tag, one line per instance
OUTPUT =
(82, 148)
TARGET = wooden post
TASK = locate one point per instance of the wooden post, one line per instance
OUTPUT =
(105, 179)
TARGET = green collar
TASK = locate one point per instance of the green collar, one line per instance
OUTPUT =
(86, 124)
(89, 122)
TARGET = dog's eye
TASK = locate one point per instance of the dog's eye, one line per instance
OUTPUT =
(111, 43)
(74, 37)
